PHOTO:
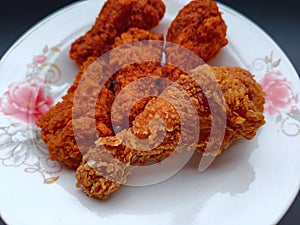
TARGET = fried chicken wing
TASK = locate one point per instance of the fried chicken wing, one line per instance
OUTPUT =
(200, 28)
(149, 138)
(116, 17)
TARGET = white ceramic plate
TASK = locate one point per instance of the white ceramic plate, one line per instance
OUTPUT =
(253, 182)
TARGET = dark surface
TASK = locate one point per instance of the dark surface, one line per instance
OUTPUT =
(280, 19)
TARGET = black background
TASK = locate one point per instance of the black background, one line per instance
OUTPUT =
(280, 19)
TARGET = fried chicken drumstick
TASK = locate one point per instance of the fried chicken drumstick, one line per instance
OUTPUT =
(115, 18)
(243, 106)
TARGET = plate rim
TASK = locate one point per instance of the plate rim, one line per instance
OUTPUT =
(230, 10)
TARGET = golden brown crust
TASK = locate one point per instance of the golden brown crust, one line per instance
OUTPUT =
(102, 172)
(134, 46)
(131, 100)
(243, 108)
(142, 50)
(134, 35)
(71, 127)
(116, 17)
(57, 125)
(200, 28)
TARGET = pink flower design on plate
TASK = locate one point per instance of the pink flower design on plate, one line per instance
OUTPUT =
(280, 95)
(26, 100)
(40, 58)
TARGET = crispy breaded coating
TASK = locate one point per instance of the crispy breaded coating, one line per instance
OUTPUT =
(134, 35)
(150, 139)
(200, 28)
(242, 105)
(57, 125)
(116, 17)
(71, 127)
(102, 171)
(139, 54)
(143, 80)
(106, 165)
(134, 46)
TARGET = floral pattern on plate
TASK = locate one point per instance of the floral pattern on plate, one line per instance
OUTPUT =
(26, 100)
(282, 102)
(21, 105)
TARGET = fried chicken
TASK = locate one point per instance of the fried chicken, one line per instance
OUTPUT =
(210, 97)
(217, 93)
(57, 125)
(140, 111)
(200, 28)
(71, 127)
(116, 17)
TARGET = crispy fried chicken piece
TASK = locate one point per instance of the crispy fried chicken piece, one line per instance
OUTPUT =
(242, 105)
(200, 28)
(116, 17)
(72, 126)
(57, 125)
